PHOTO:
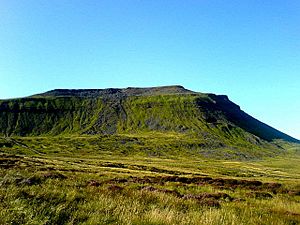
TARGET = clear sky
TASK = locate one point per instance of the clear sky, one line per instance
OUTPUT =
(247, 49)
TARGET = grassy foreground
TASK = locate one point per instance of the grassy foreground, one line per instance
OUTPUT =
(47, 181)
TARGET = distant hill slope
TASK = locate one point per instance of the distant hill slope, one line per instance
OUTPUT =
(213, 118)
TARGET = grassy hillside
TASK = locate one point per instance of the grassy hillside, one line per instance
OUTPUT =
(48, 116)
(179, 119)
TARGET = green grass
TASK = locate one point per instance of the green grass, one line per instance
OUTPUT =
(148, 144)
(96, 180)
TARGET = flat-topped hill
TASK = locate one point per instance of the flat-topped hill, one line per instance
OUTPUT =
(212, 121)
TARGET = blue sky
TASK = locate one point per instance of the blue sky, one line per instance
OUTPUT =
(248, 49)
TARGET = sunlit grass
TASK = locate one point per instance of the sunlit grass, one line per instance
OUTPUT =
(62, 182)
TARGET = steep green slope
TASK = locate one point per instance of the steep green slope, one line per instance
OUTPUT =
(233, 113)
(43, 116)
(212, 121)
